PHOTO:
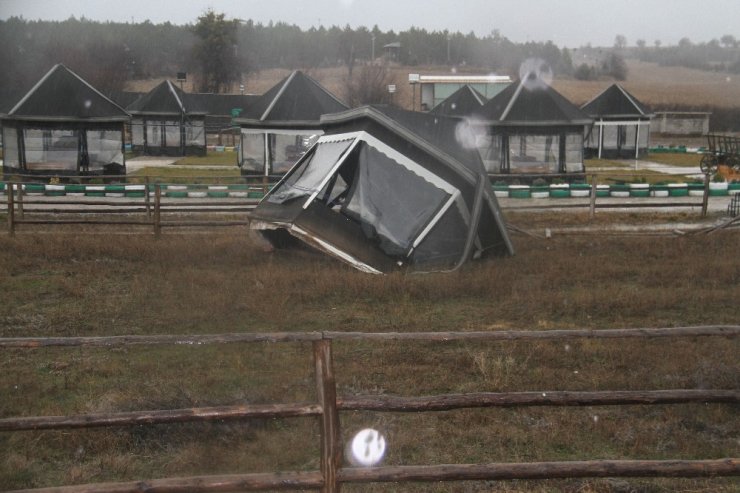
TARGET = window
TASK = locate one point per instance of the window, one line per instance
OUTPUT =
(51, 150)
(195, 133)
(490, 152)
(308, 178)
(103, 148)
(153, 133)
(137, 132)
(10, 147)
(253, 152)
(534, 153)
(573, 153)
(172, 133)
(287, 149)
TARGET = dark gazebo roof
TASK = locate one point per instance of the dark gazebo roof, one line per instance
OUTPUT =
(218, 104)
(531, 102)
(124, 98)
(62, 95)
(463, 102)
(435, 133)
(615, 102)
(297, 98)
(165, 99)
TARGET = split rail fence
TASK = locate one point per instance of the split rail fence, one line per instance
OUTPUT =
(326, 409)
(152, 206)
(149, 209)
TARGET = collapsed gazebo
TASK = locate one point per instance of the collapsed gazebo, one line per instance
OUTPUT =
(162, 124)
(64, 127)
(279, 126)
(529, 128)
(621, 125)
(385, 189)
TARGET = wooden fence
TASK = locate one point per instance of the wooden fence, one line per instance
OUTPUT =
(149, 210)
(151, 207)
(328, 406)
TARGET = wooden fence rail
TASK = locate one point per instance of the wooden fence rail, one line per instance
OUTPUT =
(328, 406)
(18, 207)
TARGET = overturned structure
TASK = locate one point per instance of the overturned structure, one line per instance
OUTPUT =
(64, 127)
(383, 189)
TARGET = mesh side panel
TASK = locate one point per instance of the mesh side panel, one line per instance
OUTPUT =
(444, 245)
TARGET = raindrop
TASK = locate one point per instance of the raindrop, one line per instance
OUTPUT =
(453, 106)
(596, 419)
(469, 133)
(367, 448)
(535, 73)
(88, 103)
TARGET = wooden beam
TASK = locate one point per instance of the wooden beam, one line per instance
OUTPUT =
(201, 484)
(544, 470)
(446, 402)
(134, 418)
(506, 335)
(500, 335)
(178, 340)
(331, 449)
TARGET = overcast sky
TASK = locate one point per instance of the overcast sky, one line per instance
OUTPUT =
(569, 23)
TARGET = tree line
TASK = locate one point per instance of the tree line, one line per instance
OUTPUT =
(220, 51)
(109, 53)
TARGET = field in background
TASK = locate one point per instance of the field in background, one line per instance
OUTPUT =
(653, 84)
(76, 284)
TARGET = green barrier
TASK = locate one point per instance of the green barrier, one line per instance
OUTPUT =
(176, 194)
(639, 190)
(218, 194)
(678, 189)
(559, 192)
(519, 192)
(75, 188)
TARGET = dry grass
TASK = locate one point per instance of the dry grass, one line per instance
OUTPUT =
(57, 284)
(652, 84)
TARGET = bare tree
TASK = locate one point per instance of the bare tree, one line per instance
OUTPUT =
(369, 86)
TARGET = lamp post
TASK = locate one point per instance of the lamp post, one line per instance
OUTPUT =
(372, 57)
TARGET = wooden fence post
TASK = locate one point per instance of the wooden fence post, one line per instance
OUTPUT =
(157, 204)
(705, 200)
(326, 390)
(11, 209)
(20, 201)
(147, 199)
(592, 206)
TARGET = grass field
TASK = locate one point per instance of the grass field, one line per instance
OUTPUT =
(77, 284)
(187, 175)
(212, 158)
